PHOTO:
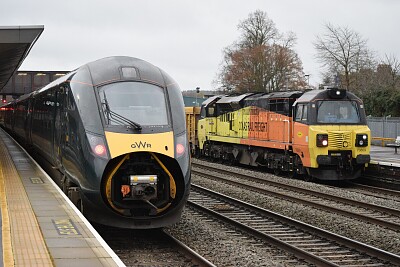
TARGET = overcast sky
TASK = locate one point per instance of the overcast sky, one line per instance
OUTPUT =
(186, 38)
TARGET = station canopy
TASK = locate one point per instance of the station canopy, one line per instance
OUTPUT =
(15, 44)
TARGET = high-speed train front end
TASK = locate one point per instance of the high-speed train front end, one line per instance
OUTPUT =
(115, 129)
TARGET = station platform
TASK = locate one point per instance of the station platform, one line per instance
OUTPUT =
(39, 225)
(385, 156)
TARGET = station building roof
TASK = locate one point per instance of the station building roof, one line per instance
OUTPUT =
(15, 44)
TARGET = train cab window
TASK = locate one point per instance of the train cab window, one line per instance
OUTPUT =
(138, 102)
(302, 113)
(304, 117)
(203, 112)
(338, 112)
(211, 112)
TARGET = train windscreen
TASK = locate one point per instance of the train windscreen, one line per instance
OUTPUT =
(141, 103)
(338, 112)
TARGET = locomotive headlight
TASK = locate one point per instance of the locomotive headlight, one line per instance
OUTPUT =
(361, 140)
(322, 140)
(97, 145)
(180, 146)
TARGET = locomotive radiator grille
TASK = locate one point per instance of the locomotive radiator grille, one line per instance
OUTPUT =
(339, 140)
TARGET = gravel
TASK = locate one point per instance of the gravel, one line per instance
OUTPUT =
(367, 233)
(212, 240)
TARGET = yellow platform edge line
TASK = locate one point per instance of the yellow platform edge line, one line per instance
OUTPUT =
(8, 258)
(19, 259)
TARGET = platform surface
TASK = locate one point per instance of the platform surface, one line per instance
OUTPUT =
(385, 156)
(39, 225)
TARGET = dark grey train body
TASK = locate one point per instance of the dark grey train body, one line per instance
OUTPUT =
(115, 128)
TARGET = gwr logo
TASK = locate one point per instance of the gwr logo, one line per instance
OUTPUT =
(140, 144)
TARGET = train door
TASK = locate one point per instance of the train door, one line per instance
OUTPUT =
(58, 125)
(28, 121)
(201, 130)
(206, 126)
(67, 106)
(301, 133)
(69, 140)
(42, 129)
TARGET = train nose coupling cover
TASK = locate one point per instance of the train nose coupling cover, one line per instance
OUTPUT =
(141, 187)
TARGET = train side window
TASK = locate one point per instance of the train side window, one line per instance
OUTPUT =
(301, 113)
(305, 114)
(211, 112)
(202, 112)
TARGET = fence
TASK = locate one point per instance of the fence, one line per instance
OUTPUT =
(384, 129)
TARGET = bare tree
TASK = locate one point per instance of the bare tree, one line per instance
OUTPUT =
(262, 60)
(287, 70)
(342, 51)
(394, 69)
(257, 30)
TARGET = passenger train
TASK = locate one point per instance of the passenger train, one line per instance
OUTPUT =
(320, 134)
(115, 129)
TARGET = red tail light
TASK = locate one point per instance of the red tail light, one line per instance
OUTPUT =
(97, 145)
(100, 150)
(180, 147)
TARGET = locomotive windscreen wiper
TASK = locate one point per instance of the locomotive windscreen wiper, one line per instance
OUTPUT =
(113, 116)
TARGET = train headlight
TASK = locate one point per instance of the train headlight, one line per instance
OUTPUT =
(361, 140)
(97, 145)
(180, 146)
(322, 140)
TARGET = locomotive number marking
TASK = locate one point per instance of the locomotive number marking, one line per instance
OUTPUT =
(299, 134)
(140, 144)
(65, 227)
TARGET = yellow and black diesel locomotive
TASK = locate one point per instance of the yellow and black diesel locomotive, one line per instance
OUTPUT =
(115, 130)
(322, 134)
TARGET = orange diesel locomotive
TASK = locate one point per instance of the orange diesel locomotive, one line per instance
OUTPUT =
(320, 133)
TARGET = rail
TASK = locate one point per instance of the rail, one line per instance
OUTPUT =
(305, 241)
(379, 215)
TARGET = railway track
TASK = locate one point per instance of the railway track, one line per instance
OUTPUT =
(306, 242)
(382, 176)
(268, 254)
(150, 248)
(379, 215)
(373, 191)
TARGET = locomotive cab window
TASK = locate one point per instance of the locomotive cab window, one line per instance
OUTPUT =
(338, 112)
(203, 112)
(211, 111)
(301, 113)
(133, 103)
